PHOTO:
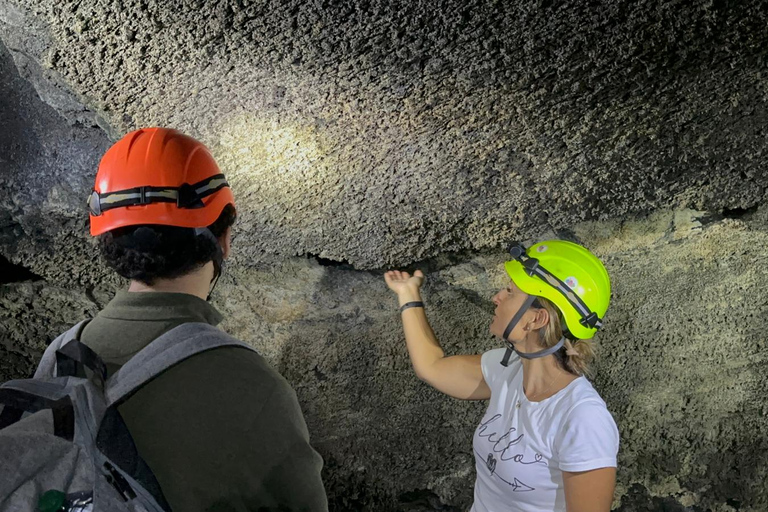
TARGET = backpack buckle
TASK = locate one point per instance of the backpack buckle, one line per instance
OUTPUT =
(119, 482)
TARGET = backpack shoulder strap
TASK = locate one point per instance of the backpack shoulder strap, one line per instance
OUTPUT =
(30, 396)
(168, 350)
(47, 365)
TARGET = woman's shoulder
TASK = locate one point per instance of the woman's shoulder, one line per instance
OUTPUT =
(494, 370)
(587, 436)
(580, 395)
(496, 355)
(583, 409)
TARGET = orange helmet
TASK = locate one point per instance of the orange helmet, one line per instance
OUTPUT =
(157, 176)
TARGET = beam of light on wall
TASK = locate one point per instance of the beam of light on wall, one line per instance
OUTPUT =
(276, 167)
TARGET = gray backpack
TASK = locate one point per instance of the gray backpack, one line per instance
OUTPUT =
(64, 447)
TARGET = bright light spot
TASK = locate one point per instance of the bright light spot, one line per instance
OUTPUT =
(267, 149)
(275, 166)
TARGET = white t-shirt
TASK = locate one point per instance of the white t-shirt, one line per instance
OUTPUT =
(521, 451)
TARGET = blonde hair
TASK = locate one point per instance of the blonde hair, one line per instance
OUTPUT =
(576, 355)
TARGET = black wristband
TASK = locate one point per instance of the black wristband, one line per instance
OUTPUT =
(417, 304)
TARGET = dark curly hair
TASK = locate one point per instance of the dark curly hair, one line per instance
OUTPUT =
(149, 253)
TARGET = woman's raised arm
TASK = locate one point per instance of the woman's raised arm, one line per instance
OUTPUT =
(457, 376)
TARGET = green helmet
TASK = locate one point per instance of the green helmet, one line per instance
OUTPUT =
(569, 276)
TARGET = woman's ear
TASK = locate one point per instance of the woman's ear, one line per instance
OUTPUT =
(226, 242)
(541, 319)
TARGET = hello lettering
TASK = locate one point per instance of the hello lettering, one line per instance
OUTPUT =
(504, 444)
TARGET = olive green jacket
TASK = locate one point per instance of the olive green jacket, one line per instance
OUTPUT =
(221, 431)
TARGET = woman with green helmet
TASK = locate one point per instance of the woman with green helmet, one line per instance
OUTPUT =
(547, 441)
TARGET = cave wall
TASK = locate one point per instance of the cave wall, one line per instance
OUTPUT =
(360, 136)
(380, 132)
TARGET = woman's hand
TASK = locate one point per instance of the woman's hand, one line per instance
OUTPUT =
(457, 376)
(404, 284)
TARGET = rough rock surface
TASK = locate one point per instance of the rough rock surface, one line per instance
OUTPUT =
(386, 133)
(382, 133)
(33, 313)
(46, 168)
(682, 363)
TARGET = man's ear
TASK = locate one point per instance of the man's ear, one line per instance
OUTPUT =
(226, 242)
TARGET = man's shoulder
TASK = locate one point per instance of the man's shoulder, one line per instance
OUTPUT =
(220, 355)
(232, 381)
(232, 363)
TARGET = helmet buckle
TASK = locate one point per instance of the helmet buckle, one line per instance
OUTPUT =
(143, 196)
(530, 265)
(516, 250)
(591, 320)
(188, 197)
(94, 204)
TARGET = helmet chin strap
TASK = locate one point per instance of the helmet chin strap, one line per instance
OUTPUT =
(218, 258)
(541, 353)
(218, 269)
(511, 347)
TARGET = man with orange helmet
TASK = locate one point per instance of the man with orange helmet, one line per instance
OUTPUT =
(222, 430)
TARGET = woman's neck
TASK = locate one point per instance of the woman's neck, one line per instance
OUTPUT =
(543, 377)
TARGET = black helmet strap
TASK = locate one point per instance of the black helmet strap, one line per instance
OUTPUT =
(530, 299)
(185, 196)
(532, 267)
(510, 345)
(218, 258)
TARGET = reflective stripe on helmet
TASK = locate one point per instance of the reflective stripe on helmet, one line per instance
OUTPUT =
(185, 196)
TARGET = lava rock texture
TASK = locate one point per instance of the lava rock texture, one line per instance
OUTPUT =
(363, 135)
(380, 132)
